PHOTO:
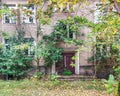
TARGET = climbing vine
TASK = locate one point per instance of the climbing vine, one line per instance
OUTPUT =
(64, 31)
(68, 30)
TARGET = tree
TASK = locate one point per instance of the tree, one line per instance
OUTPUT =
(61, 4)
(42, 18)
(116, 4)
(43, 15)
(14, 60)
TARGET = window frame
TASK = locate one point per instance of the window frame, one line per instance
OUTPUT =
(12, 19)
(30, 50)
(26, 19)
(64, 10)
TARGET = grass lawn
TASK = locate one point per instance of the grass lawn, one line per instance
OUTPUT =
(50, 88)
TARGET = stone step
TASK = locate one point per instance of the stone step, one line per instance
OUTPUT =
(75, 77)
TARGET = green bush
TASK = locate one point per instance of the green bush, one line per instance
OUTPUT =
(112, 85)
(14, 58)
(67, 72)
(54, 79)
(14, 63)
(38, 75)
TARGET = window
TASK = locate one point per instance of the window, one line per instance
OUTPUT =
(97, 13)
(31, 42)
(10, 17)
(0, 5)
(101, 10)
(63, 29)
(28, 14)
(7, 43)
(70, 35)
(66, 9)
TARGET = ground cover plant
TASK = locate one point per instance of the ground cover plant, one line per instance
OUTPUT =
(48, 88)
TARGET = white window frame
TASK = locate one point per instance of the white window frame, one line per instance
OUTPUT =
(64, 10)
(30, 48)
(6, 44)
(98, 12)
(26, 19)
(73, 34)
(12, 19)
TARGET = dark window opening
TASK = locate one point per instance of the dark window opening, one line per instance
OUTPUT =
(31, 6)
(31, 19)
(27, 40)
(71, 35)
(30, 50)
(7, 20)
(28, 17)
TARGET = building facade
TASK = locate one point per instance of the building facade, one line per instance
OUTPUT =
(28, 23)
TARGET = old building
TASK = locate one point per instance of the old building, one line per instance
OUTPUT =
(28, 23)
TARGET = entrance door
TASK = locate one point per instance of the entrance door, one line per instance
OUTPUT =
(66, 63)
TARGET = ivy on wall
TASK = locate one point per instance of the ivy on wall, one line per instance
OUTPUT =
(68, 30)
(64, 31)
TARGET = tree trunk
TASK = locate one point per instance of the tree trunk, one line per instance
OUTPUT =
(117, 6)
(95, 66)
(118, 88)
(38, 61)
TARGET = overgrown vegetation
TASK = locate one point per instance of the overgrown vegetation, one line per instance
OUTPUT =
(14, 63)
(68, 30)
(106, 45)
(65, 30)
(106, 42)
(48, 88)
(112, 85)
(14, 58)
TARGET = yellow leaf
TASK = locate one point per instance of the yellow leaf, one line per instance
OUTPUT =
(114, 31)
(102, 0)
(111, 22)
(118, 0)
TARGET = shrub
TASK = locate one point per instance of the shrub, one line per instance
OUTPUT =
(14, 63)
(112, 85)
(67, 72)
